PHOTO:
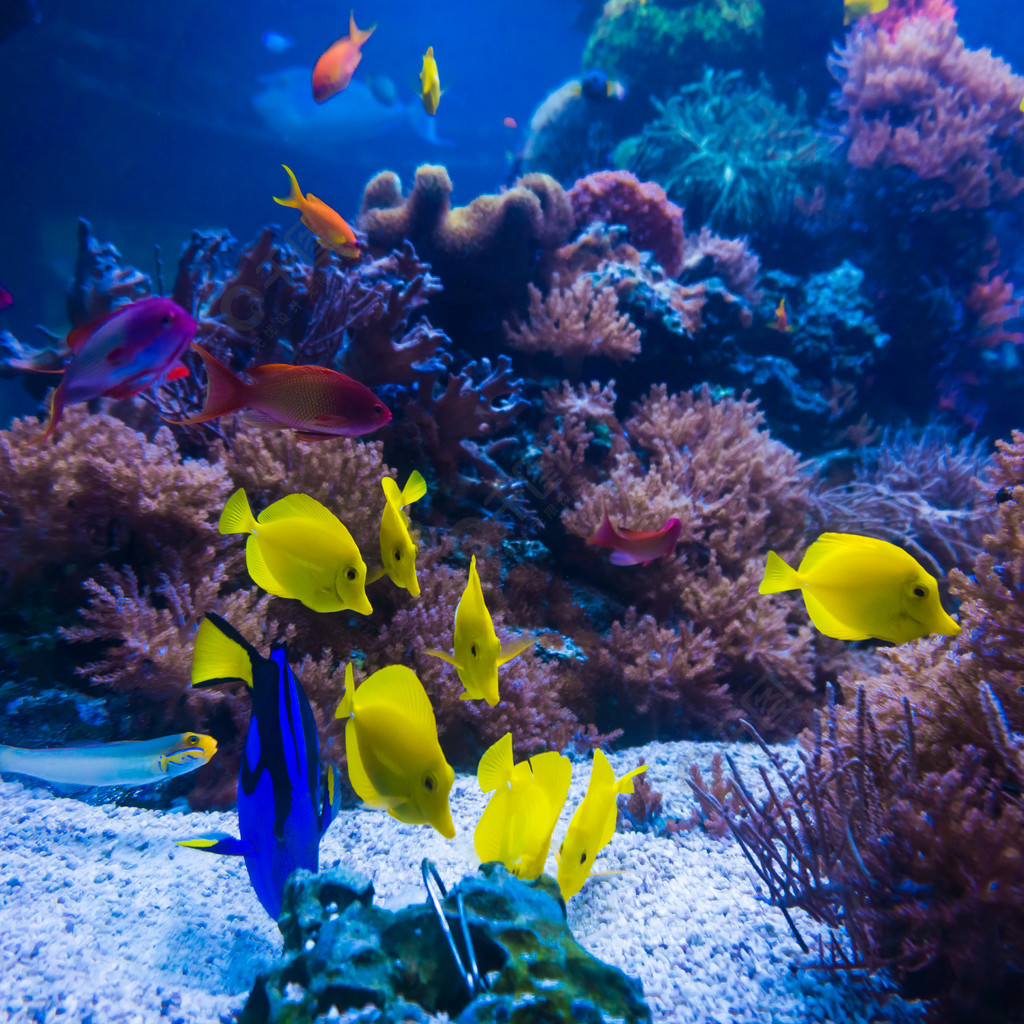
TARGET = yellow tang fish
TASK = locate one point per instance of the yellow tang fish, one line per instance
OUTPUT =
(397, 548)
(299, 549)
(517, 823)
(592, 825)
(395, 762)
(854, 9)
(858, 587)
(478, 651)
(430, 84)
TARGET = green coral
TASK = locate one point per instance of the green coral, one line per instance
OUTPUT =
(655, 47)
(731, 155)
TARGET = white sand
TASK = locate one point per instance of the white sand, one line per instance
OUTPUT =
(103, 919)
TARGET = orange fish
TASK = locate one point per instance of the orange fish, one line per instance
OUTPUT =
(328, 225)
(333, 71)
(781, 321)
(317, 402)
(633, 547)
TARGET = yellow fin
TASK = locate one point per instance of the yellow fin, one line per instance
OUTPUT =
(237, 516)
(778, 576)
(398, 687)
(513, 649)
(489, 838)
(601, 771)
(414, 489)
(496, 764)
(261, 575)
(827, 623)
(216, 656)
(300, 506)
(357, 772)
(440, 654)
(625, 784)
(348, 698)
(391, 493)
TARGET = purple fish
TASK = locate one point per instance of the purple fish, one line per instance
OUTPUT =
(5, 298)
(124, 353)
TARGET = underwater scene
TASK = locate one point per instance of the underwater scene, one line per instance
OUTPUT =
(512, 513)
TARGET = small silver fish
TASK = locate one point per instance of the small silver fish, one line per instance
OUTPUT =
(124, 763)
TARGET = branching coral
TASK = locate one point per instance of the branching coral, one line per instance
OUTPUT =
(919, 99)
(732, 156)
(574, 323)
(732, 259)
(654, 223)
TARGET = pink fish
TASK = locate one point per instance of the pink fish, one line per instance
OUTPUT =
(316, 401)
(5, 297)
(635, 547)
(123, 353)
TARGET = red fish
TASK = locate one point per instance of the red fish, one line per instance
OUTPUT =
(333, 71)
(636, 547)
(317, 402)
(123, 353)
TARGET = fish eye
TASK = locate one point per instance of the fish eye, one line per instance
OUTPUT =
(351, 574)
(191, 738)
(919, 592)
(473, 650)
(398, 555)
(429, 783)
(167, 321)
(583, 857)
(378, 408)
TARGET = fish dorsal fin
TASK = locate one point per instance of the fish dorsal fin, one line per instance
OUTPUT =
(261, 575)
(219, 656)
(827, 623)
(300, 506)
(828, 542)
(344, 709)
(601, 771)
(414, 489)
(80, 335)
(553, 773)
(391, 493)
(398, 687)
(495, 766)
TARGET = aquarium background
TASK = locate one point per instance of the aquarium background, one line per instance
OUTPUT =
(676, 302)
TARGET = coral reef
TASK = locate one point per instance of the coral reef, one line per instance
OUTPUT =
(903, 826)
(350, 954)
(656, 47)
(484, 253)
(653, 223)
(919, 100)
(574, 323)
(731, 155)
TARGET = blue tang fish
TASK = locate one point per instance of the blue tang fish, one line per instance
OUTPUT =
(285, 799)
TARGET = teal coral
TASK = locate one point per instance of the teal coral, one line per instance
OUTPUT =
(732, 156)
(655, 47)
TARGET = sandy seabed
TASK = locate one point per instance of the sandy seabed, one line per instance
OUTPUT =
(103, 919)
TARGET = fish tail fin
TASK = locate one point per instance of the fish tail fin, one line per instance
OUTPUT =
(237, 516)
(217, 842)
(625, 784)
(295, 196)
(778, 576)
(56, 408)
(358, 35)
(348, 697)
(225, 391)
(495, 766)
(220, 654)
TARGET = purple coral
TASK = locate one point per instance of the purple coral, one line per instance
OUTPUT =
(919, 99)
(655, 223)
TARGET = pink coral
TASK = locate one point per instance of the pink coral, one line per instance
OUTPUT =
(655, 223)
(991, 303)
(576, 322)
(731, 259)
(899, 11)
(920, 99)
